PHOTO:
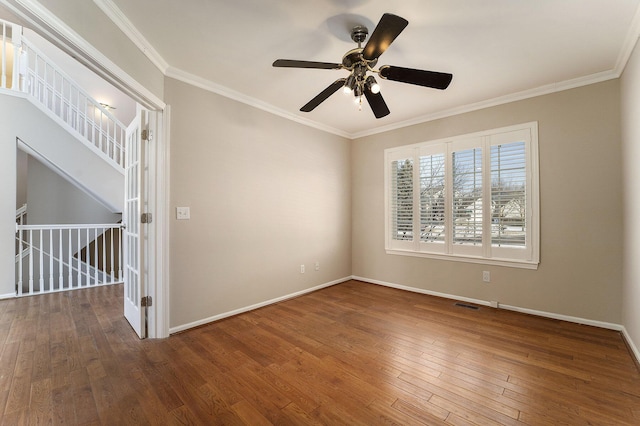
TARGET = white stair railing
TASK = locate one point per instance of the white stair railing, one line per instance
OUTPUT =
(21, 219)
(66, 257)
(26, 69)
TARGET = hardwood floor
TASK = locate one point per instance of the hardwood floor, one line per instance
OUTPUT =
(354, 353)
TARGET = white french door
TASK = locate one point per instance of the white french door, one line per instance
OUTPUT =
(134, 238)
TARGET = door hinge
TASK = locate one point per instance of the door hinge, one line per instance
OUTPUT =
(146, 301)
(146, 218)
(146, 135)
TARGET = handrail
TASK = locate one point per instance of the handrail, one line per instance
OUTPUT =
(21, 215)
(21, 211)
(50, 88)
(21, 219)
(70, 226)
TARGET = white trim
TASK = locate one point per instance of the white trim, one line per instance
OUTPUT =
(511, 263)
(209, 85)
(631, 344)
(561, 317)
(421, 291)
(221, 90)
(136, 37)
(577, 320)
(518, 96)
(629, 43)
(8, 296)
(111, 10)
(126, 26)
(163, 207)
(256, 306)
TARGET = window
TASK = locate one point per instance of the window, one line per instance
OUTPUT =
(471, 198)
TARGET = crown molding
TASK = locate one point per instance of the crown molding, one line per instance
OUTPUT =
(629, 43)
(120, 20)
(221, 90)
(126, 26)
(518, 96)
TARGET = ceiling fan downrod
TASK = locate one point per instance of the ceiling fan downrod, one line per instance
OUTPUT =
(359, 34)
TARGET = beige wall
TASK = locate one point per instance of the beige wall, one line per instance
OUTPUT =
(580, 197)
(266, 195)
(630, 90)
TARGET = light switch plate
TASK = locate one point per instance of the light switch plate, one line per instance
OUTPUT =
(183, 213)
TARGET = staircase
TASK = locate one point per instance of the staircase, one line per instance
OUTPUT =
(59, 123)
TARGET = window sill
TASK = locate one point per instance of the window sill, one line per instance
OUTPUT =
(511, 263)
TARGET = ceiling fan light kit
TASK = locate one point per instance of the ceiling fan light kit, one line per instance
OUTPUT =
(361, 62)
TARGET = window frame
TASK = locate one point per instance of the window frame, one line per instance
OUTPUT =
(487, 253)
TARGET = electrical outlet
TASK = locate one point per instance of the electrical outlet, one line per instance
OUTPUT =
(317, 265)
(183, 213)
(302, 269)
(486, 276)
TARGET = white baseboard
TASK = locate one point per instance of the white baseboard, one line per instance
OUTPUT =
(7, 296)
(203, 321)
(610, 326)
(631, 344)
(544, 314)
(578, 320)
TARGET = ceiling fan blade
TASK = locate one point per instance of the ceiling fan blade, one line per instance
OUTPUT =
(389, 27)
(377, 103)
(436, 80)
(290, 63)
(322, 96)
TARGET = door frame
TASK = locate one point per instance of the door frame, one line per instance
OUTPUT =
(53, 29)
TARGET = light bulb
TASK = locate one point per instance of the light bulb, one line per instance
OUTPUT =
(372, 85)
(349, 84)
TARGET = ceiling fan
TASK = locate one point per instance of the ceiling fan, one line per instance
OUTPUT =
(360, 63)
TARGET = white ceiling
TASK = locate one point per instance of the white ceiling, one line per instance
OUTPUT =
(496, 50)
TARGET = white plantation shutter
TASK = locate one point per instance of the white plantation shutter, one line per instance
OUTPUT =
(402, 199)
(472, 198)
(508, 194)
(432, 198)
(467, 196)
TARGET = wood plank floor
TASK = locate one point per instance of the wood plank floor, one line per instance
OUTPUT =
(354, 353)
